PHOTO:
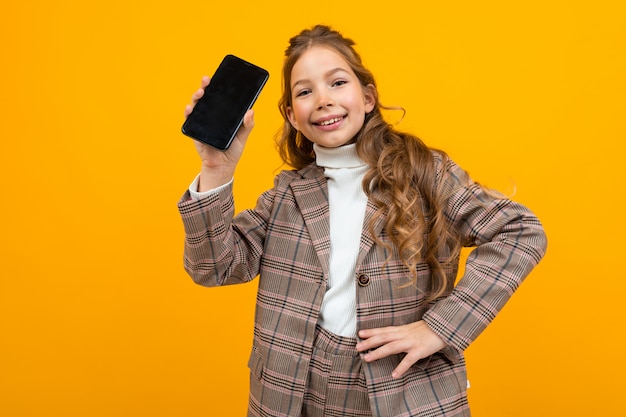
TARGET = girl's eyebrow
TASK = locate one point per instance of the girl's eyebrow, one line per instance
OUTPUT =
(328, 74)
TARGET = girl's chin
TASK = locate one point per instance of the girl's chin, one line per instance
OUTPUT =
(333, 144)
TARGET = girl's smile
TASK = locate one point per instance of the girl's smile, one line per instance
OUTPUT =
(328, 101)
(330, 122)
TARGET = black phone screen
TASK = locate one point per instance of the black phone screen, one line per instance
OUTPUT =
(232, 91)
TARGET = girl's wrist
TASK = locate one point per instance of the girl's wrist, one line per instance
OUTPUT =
(213, 177)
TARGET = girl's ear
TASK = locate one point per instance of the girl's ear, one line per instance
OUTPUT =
(292, 118)
(370, 95)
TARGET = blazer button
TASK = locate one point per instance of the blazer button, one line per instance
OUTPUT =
(363, 279)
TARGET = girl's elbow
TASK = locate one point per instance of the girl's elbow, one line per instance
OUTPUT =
(201, 274)
(536, 240)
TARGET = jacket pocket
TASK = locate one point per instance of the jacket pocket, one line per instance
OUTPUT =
(255, 363)
(451, 354)
(448, 354)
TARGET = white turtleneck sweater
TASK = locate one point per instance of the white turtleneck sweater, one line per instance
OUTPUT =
(347, 201)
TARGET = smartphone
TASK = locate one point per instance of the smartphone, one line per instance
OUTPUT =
(219, 113)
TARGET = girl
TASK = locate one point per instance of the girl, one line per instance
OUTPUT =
(357, 250)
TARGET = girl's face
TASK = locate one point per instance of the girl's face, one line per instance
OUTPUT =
(328, 101)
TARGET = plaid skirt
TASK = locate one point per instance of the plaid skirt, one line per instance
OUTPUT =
(336, 384)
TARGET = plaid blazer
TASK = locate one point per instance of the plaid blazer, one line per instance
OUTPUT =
(285, 240)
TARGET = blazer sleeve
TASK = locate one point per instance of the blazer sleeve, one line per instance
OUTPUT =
(221, 249)
(509, 241)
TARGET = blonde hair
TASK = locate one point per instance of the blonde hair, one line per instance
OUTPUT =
(401, 179)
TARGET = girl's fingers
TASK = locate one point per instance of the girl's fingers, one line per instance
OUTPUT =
(199, 92)
(196, 96)
(383, 351)
(246, 127)
(404, 365)
(374, 338)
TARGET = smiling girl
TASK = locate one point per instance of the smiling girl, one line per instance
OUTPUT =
(356, 249)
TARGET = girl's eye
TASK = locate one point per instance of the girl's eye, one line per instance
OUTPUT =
(303, 93)
(339, 83)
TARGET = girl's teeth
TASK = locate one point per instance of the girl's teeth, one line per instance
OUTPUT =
(331, 121)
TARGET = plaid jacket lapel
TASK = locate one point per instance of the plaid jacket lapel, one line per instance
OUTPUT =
(367, 238)
(311, 195)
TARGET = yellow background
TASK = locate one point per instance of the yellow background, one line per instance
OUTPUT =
(98, 318)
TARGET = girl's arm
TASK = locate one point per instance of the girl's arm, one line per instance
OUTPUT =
(217, 252)
(509, 242)
(221, 249)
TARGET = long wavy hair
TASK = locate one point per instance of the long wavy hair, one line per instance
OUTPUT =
(401, 179)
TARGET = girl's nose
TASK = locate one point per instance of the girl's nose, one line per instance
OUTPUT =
(324, 100)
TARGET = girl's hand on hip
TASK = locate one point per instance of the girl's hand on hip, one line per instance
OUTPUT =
(218, 167)
(416, 339)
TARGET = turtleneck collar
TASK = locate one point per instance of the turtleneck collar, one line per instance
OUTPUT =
(341, 157)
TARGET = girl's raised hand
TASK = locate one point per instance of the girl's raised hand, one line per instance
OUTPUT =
(218, 166)
(416, 339)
